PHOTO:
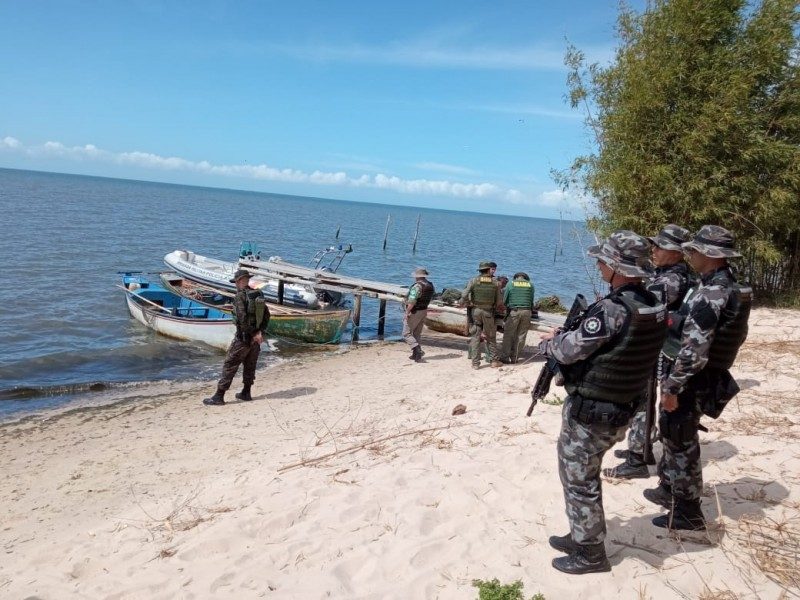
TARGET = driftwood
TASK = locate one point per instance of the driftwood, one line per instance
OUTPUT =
(361, 446)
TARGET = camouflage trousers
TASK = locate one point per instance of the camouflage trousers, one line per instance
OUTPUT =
(680, 465)
(412, 327)
(580, 453)
(482, 323)
(637, 434)
(239, 353)
(515, 333)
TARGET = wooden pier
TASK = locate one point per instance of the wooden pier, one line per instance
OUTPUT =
(319, 279)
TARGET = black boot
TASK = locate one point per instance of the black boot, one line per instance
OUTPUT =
(634, 467)
(218, 399)
(563, 543)
(624, 454)
(586, 558)
(687, 515)
(661, 495)
(416, 354)
(244, 395)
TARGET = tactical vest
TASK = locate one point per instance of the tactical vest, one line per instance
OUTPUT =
(521, 294)
(731, 328)
(618, 372)
(425, 294)
(484, 292)
(257, 311)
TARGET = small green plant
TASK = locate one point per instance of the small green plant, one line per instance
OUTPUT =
(553, 400)
(494, 590)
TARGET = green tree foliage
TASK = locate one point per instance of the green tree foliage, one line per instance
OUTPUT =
(697, 120)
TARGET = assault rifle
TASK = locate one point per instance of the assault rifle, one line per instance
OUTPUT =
(549, 368)
(651, 396)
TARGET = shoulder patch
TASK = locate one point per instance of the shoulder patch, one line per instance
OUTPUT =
(594, 326)
(703, 314)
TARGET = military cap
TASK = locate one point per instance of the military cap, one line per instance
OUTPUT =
(239, 274)
(713, 241)
(484, 265)
(624, 251)
(671, 237)
(420, 272)
(522, 275)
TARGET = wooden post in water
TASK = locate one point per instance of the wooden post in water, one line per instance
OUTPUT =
(338, 228)
(416, 233)
(280, 291)
(386, 231)
(381, 318)
(356, 316)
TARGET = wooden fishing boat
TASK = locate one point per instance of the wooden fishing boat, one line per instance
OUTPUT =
(453, 319)
(218, 273)
(174, 316)
(309, 326)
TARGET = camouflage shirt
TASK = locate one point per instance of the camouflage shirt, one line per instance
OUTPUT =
(671, 283)
(703, 306)
(604, 319)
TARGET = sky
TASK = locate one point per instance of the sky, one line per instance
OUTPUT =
(453, 105)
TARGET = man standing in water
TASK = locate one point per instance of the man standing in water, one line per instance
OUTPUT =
(483, 295)
(669, 283)
(708, 331)
(251, 315)
(606, 363)
(419, 296)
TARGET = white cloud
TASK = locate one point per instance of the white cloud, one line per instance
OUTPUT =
(147, 160)
(445, 168)
(433, 53)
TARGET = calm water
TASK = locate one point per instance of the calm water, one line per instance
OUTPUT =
(64, 327)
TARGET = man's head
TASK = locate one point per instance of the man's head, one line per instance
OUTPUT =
(241, 278)
(420, 273)
(710, 248)
(621, 258)
(502, 280)
(492, 267)
(666, 249)
(522, 276)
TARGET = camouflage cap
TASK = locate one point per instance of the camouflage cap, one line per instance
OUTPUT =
(671, 237)
(484, 265)
(624, 251)
(713, 241)
(238, 275)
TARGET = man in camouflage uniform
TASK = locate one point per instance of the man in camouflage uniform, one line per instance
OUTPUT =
(482, 294)
(251, 329)
(605, 363)
(419, 296)
(704, 338)
(670, 282)
(518, 300)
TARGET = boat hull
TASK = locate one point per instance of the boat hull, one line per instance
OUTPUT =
(303, 325)
(451, 319)
(218, 273)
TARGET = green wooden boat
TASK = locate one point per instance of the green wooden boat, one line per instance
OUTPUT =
(298, 324)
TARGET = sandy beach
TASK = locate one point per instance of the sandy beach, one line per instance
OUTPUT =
(349, 477)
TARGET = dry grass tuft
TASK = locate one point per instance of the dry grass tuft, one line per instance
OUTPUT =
(709, 594)
(774, 547)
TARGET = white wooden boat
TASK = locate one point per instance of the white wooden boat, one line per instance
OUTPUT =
(174, 316)
(452, 319)
(218, 273)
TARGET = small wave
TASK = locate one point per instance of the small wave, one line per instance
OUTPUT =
(30, 392)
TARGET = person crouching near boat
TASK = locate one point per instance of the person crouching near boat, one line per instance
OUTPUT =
(419, 296)
(251, 315)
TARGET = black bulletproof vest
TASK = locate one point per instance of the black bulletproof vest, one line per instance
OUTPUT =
(425, 294)
(618, 372)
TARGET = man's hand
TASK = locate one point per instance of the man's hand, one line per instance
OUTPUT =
(669, 402)
(550, 334)
(258, 338)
